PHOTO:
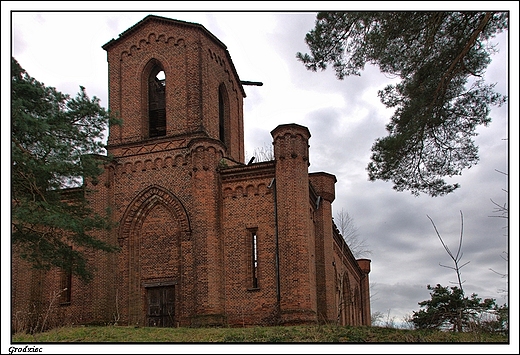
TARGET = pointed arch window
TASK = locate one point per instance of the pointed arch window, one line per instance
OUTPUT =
(157, 102)
(223, 114)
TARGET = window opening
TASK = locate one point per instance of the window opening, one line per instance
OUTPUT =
(65, 285)
(254, 259)
(157, 104)
(221, 115)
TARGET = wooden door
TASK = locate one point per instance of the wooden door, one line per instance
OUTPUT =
(161, 306)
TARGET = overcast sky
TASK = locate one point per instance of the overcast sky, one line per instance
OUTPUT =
(63, 50)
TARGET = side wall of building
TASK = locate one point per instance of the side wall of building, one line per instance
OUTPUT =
(44, 299)
(249, 251)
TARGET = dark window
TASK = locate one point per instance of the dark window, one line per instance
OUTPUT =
(157, 103)
(65, 284)
(223, 114)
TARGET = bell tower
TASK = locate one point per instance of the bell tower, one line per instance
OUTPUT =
(180, 100)
(173, 80)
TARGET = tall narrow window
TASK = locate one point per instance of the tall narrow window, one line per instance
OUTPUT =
(223, 113)
(65, 285)
(157, 103)
(254, 259)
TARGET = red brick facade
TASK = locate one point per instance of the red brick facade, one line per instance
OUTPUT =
(205, 239)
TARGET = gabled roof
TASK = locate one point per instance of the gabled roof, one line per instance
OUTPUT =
(167, 20)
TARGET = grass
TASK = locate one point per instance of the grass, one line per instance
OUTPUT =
(292, 334)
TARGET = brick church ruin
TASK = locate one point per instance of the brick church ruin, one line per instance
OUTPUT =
(205, 238)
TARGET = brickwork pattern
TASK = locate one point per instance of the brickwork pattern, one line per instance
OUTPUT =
(186, 205)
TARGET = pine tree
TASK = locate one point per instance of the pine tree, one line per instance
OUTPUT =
(440, 58)
(55, 144)
(448, 308)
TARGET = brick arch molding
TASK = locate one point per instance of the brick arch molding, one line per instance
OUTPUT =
(144, 202)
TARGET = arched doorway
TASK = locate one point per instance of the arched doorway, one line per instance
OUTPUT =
(151, 261)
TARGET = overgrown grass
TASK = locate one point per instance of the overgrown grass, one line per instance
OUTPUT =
(293, 334)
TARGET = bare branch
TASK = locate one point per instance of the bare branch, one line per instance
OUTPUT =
(456, 259)
(461, 234)
(349, 231)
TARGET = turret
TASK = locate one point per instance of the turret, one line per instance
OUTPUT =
(296, 244)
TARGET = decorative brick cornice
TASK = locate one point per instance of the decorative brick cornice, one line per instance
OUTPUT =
(151, 38)
(160, 19)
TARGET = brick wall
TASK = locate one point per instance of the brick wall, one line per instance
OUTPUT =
(186, 206)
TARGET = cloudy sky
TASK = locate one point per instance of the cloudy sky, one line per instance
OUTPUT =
(63, 49)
